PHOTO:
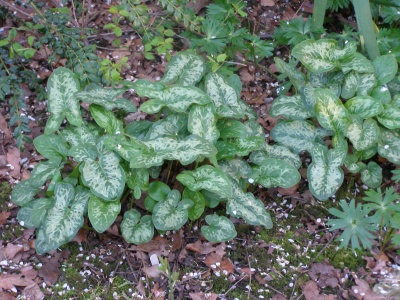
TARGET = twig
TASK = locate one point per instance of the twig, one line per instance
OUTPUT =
(16, 9)
(233, 286)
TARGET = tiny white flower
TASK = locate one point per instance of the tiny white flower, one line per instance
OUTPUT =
(251, 180)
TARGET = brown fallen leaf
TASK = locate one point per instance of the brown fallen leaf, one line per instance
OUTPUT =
(10, 281)
(311, 292)
(4, 215)
(33, 292)
(11, 250)
(13, 158)
(152, 271)
(362, 291)
(50, 271)
(6, 296)
(203, 296)
(267, 2)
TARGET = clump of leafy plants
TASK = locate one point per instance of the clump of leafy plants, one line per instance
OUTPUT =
(191, 159)
(345, 96)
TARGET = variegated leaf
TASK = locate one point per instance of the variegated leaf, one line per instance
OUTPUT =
(236, 168)
(185, 68)
(220, 229)
(86, 134)
(207, 178)
(136, 229)
(105, 177)
(107, 98)
(171, 213)
(229, 128)
(352, 163)
(224, 97)
(246, 206)
(390, 117)
(83, 152)
(158, 190)
(297, 78)
(172, 126)
(350, 85)
(32, 214)
(389, 146)
(202, 122)
(62, 102)
(63, 220)
(199, 203)
(51, 146)
(318, 56)
(102, 214)
(186, 150)
(372, 175)
(382, 93)
(366, 84)
(363, 135)
(290, 107)
(23, 193)
(364, 106)
(330, 112)
(106, 119)
(386, 67)
(298, 135)
(138, 129)
(42, 172)
(356, 62)
(145, 88)
(276, 173)
(137, 180)
(275, 151)
(177, 98)
(324, 173)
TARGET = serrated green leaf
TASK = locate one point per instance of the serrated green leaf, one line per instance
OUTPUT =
(185, 68)
(364, 106)
(330, 112)
(171, 213)
(363, 135)
(102, 214)
(207, 178)
(220, 229)
(276, 172)
(324, 173)
(389, 146)
(106, 119)
(199, 203)
(62, 102)
(386, 67)
(63, 220)
(372, 175)
(136, 229)
(202, 122)
(224, 97)
(105, 177)
(42, 172)
(51, 146)
(298, 135)
(390, 117)
(23, 193)
(290, 107)
(317, 56)
(246, 206)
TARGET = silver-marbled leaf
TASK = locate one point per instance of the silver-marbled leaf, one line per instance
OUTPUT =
(136, 229)
(219, 229)
(102, 214)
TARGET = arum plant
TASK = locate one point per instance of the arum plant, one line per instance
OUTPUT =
(99, 167)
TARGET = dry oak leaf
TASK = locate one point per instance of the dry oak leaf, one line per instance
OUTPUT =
(203, 296)
(311, 292)
(11, 281)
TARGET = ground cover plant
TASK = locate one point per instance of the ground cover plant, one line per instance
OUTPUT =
(171, 165)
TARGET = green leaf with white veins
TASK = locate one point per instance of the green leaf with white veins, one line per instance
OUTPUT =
(246, 206)
(224, 97)
(276, 173)
(42, 172)
(63, 220)
(298, 135)
(106, 98)
(185, 68)
(220, 229)
(366, 84)
(279, 152)
(363, 135)
(105, 177)
(102, 214)
(324, 173)
(390, 117)
(86, 134)
(207, 178)
(199, 203)
(177, 98)
(51, 146)
(62, 102)
(145, 88)
(389, 146)
(330, 112)
(173, 125)
(171, 213)
(106, 119)
(136, 229)
(290, 107)
(372, 175)
(202, 122)
(350, 84)
(356, 62)
(386, 67)
(83, 152)
(23, 193)
(137, 180)
(364, 106)
(317, 56)
(236, 168)
(33, 214)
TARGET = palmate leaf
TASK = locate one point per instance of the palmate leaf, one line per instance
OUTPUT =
(62, 87)
(219, 229)
(356, 226)
(383, 206)
(64, 219)
(136, 229)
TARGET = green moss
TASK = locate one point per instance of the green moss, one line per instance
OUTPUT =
(5, 191)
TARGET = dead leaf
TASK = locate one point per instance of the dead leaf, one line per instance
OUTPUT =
(278, 296)
(4, 215)
(203, 296)
(50, 271)
(81, 236)
(152, 271)
(5, 133)
(33, 292)
(10, 281)
(6, 296)
(267, 2)
(311, 292)
(13, 159)
(324, 274)
(11, 250)
(362, 291)
(248, 271)
(177, 240)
